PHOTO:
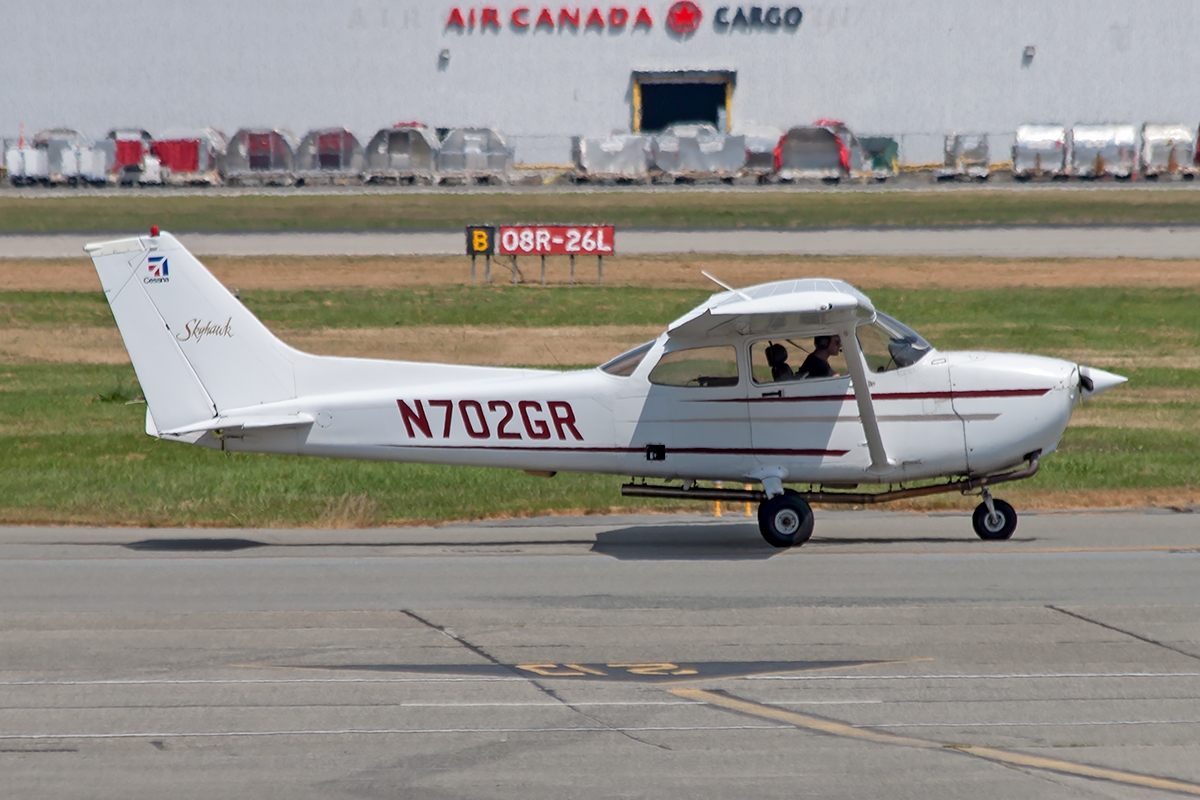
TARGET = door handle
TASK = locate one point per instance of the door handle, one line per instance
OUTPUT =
(776, 393)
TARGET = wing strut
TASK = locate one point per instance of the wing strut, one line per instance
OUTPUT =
(866, 407)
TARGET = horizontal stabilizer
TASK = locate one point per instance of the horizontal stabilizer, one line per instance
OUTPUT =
(244, 422)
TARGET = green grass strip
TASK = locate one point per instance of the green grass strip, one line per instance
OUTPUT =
(637, 209)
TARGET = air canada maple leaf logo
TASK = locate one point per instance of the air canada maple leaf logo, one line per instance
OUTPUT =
(684, 17)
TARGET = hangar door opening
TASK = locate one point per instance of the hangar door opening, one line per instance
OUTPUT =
(666, 98)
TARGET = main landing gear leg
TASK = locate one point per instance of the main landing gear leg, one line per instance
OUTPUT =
(994, 519)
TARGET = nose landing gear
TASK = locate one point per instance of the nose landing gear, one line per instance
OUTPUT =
(785, 520)
(994, 519)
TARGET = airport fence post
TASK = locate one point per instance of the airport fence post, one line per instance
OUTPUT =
(748, 488)
(716, 503)
(543, 270)
(572, 270)
(600, 268)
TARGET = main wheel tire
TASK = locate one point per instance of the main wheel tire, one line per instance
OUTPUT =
(785, 521)
(995, 529)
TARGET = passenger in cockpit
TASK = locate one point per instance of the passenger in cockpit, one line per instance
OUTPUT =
(817, 363)
(777, 356)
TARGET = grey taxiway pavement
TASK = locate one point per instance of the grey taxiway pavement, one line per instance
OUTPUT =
(999, 242)
(654, 656)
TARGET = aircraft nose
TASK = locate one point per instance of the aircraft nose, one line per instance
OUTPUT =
(1093, 381)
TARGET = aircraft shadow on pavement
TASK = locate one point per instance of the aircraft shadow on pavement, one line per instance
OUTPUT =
(685, 542)
(208, 545)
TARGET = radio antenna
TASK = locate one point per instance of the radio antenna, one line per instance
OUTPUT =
(725, 285)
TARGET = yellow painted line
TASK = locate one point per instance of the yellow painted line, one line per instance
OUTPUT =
(1084, 770)
(845, 730)
(800, 720)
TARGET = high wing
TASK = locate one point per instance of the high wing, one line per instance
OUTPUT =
(820, 303)
(810, 305)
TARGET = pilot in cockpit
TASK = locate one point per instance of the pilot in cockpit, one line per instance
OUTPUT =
(817, 363)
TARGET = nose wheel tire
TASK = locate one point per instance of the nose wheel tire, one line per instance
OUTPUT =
(994, 527)
(785, 521)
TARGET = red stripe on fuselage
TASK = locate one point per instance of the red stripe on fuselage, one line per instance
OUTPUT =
(678, 450)
(834, 398)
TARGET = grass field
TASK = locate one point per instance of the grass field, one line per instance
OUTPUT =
(638, 209)
(72, 447)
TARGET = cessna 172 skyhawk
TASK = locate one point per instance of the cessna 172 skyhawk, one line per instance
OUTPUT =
(710, 399)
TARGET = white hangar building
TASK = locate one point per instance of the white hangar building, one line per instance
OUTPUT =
(542, 72)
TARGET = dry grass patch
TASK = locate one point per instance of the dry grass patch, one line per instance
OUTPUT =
(286, 273)
(349, 511)
(62, 345)
(489, 345)
(1120, 415)
(1127, 360)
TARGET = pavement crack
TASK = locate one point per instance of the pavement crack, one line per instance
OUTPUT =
(543, 688)
(479, 651)
(1131, 634)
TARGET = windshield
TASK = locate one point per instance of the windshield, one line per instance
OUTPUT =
(625, 364)
(889, 344)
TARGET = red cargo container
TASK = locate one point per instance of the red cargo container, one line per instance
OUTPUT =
(190, 156)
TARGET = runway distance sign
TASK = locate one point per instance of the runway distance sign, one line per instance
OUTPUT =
(561, 240)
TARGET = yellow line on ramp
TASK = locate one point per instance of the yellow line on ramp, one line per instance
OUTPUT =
(835, 728)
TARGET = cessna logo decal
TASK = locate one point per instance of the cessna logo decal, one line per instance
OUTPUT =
(197, 330)
(157, 267)
(526, 419)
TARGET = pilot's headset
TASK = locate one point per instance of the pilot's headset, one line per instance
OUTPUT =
(776, 354)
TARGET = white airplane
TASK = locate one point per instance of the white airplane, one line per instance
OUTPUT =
(713, 398)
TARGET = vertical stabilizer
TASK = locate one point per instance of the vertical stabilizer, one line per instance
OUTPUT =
(196, 349)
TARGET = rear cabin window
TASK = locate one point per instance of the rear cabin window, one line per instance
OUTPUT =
(699, 366)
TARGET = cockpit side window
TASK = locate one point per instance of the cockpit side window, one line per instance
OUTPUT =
(779, 360)
(888, 344)
(696, 367)
(627, 363)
